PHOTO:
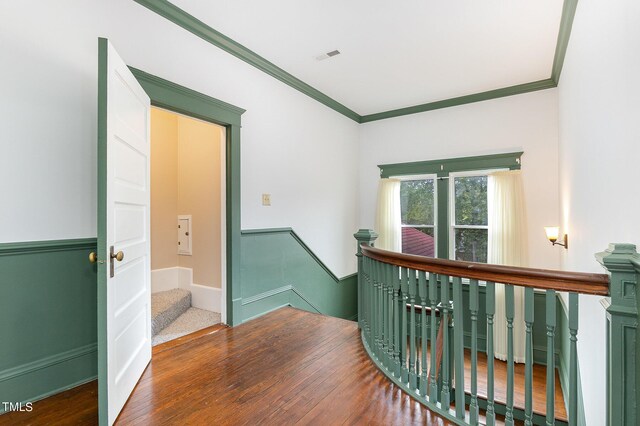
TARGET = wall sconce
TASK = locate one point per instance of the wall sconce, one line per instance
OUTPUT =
(553, 233)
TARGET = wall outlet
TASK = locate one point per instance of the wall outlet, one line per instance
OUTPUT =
(266, 199)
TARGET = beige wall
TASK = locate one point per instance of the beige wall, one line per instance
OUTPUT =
(164, 189)
(199, 195)
(186, 180)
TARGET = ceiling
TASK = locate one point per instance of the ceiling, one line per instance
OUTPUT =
(394, 54)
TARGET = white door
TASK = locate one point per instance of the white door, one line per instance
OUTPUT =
(124, 296)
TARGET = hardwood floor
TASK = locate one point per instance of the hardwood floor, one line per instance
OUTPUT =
(287, 367)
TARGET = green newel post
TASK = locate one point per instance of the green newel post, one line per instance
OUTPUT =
(623, 264)
(367, 236)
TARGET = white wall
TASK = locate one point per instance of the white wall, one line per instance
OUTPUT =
(599, 105)
(526, 123)
(299, 151)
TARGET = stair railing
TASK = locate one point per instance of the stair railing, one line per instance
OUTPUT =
(411, 313)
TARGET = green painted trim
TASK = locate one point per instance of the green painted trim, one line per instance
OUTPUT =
(103, 401)
(190, 23)
(518, 413)
(564, 33)
(48, 314)
(295, 292)
(563, 362)
(443, 167)
(462, 100)
(174, 97)
(47, 362)
(195, 104)
(270, 231)
(46, 246)
(279, 269)
(205, 32)
(266, 231)
(266, 294)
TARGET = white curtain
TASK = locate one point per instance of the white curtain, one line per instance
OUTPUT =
(507, 246)
(388, 215)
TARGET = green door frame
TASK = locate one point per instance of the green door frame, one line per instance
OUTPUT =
(173, 97)
(176, 98)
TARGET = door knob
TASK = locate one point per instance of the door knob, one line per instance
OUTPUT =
(118, 256)
(93, 257)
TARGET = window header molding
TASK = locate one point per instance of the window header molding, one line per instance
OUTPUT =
(442, 168)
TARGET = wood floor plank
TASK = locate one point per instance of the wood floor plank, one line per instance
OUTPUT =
(287, 367)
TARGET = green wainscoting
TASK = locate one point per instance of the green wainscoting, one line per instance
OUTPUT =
(47, 318)
(279, 269)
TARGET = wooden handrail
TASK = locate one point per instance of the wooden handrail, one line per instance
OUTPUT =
(578, 282)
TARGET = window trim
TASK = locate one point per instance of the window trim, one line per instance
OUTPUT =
(443, 169)
(452, 206)
(428, 176)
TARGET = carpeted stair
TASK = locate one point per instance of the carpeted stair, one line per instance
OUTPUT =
(167, 306)
(172, 315)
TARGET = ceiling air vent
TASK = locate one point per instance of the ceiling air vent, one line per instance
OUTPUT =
(328, 55)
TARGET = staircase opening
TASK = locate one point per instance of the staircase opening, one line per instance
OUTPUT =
(187, 225)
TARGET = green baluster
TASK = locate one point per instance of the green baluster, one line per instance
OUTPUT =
(412, 330)
(404, 284)
(473, 307)
(390, 365)
(491, 311)
(379, 314)
(445, 398)
(573, 359)
(363, 280)
(396, 320)
(433, 299)
(458, 346)
(551, 362)
(422, 290)
(528, 361)
(509, 313)
(374, 308)
(366, 300)
(382, 299)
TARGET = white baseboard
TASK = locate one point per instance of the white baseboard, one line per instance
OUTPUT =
(202, 297)
(164, 279)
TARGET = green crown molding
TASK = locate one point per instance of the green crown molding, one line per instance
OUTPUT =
(205, 32)
(190, 23)
(461, 100)
(566, 22)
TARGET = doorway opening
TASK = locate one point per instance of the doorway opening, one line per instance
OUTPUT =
(188, 207)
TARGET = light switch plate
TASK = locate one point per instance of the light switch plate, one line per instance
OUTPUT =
(266, 199)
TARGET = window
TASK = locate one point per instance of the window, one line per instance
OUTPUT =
(443, 204)
(469, 218)
(418, 211)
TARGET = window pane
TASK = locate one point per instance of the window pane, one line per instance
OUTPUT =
(418, 241)
(471, 200)
(471, 245)
(417, 201)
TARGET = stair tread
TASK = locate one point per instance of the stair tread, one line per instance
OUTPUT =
(167, 306)
(193, 319)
